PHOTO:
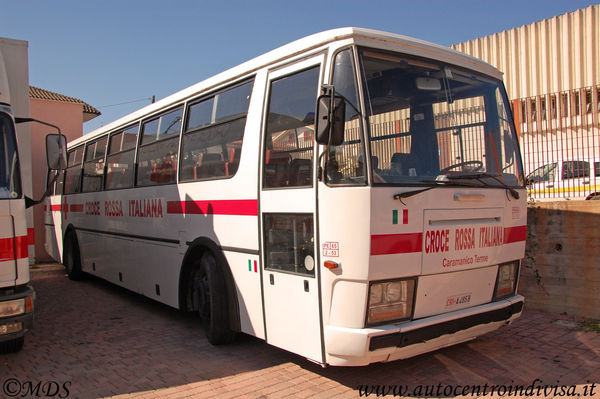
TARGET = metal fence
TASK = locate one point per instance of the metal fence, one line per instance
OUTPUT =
(560, 143)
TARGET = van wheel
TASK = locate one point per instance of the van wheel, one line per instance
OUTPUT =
(72, 257)
(211, 294)
(12, 346)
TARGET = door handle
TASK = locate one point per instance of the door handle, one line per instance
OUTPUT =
(550, 185)
(586, 182)
(306, 287)
(271, 279)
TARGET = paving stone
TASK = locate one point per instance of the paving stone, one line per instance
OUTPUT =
(99, 340)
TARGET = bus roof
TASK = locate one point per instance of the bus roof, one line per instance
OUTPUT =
(361, 36)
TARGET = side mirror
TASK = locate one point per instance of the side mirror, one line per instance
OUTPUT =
(331, 113)
(428, 84)
(56, 151)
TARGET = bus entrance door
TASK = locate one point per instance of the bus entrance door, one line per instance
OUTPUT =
(287, 210)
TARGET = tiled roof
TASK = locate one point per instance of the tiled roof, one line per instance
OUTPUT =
(41, 94)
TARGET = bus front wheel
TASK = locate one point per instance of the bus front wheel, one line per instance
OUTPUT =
(212, 303)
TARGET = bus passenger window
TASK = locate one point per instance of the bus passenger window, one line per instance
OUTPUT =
(157, 157)
(290, 130)
(72, 179)
(214, 132)
(119, 162)
(93, 166)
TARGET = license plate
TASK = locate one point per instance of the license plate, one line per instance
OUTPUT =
(10, 328)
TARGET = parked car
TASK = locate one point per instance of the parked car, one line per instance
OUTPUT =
(565, 179)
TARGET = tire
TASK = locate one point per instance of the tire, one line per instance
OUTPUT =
(12, 346)
(211, 291)
(72, 258)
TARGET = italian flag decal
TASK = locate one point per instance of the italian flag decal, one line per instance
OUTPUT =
(404, 216)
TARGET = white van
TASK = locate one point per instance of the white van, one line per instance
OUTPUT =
(565, 179)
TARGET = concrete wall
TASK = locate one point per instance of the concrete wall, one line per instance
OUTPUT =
(561, 270)
(67, 116)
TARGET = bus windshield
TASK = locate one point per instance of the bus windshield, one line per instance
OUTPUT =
(434, 123)
(10, 182)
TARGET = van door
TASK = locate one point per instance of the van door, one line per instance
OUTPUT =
(287, 211)
(575, 179)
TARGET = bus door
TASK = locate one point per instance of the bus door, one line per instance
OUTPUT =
(287, 211)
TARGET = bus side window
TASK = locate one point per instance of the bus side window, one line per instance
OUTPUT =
(290, 130)
(93, 166)
(214, 132)
(73, 172)
(344, 162)
(157, 156)
(119, 162)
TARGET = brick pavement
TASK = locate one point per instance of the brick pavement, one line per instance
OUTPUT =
(97, 340)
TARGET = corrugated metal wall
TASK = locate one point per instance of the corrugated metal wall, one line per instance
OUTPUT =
(553, 55)
(552, 75)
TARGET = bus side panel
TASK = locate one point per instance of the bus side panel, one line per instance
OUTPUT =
(240, 232)
(344, 239)
(246, 274)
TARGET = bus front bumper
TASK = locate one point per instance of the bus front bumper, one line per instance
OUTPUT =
(358, 347)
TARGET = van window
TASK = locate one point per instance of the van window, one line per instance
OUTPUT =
(542, 174)
(575, 169)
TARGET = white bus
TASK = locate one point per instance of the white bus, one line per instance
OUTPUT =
(353, 197)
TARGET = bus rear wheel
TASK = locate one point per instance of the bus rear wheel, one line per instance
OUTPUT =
(72, 257)
(212, 303)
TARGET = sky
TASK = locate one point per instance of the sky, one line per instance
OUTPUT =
(116, 54)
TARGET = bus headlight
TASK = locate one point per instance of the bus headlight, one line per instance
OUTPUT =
(12, 308)
(506, 281)
(390, 301)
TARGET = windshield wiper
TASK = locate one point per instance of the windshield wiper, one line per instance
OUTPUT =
(444, 182)
(407, 194)
(479, 176)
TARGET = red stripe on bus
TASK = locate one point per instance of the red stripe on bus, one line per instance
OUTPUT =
(30, 236)
(56, 208)
(76, 208)
(218, 207)
(9, 245)
(515, 234)
(388, 244)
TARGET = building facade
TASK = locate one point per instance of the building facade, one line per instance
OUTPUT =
(552, 76)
